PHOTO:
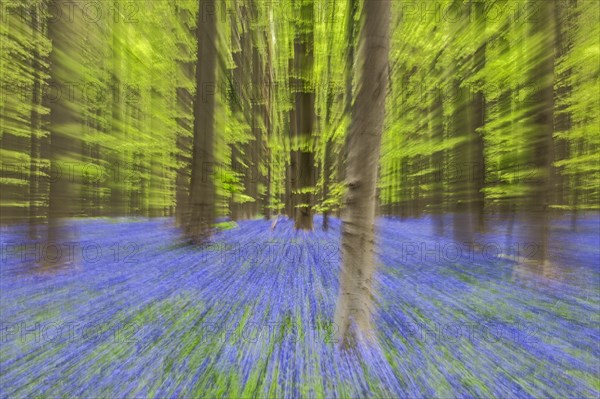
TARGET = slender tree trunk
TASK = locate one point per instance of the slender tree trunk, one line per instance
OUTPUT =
(64, 124)
(234, 206)
(248, 108)
(292, 171)
(202, 190)
(575, 202)
(255, 146)
(268, 101)
(328, 143)
(154, 176)
(468, 117)
(416, 200)
(267, 200)
(289, 208)
(564, 12)
(541, 139)
(400, 194)
(117, 200)
(355, 301)
(437, 126)
(476, 121)
(506, 205)
(240, 41)
(326, 173)
(576, 186)
(463, 184)
(183, 170)
(350, 38)
(183, 141)
(304, 117)
(36, 126)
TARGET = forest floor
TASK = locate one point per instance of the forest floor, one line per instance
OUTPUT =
(134, 313)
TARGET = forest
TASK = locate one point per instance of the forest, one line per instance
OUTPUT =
(299, 198)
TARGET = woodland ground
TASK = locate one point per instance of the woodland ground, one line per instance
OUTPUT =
(135, 313)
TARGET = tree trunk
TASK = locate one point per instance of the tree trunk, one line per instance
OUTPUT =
(292, 170)
(36, 126)
(255, 146)
(328, 143)
(350, 38)
(326, 172)
(437, 127)
(463, 185)
(183, 140)
(354, 306)
(65, 126)
(202, 190)
(304, 117)
(541, 140)
(117, 201)
(268, 101)
(477, 120)
(578, 150)
(563, 116)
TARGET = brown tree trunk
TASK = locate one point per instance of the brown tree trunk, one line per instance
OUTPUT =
(268, 100)
(255, 146)
(117, 201)
(202, 190)
(476, 121)
(541, 150)
(64, 126)
(326, 172)
(234, 206)
(437, 127)
(350, 38)
(183, 142)
(328, 144)
(36, 126)
(354, 306)
(304, 118)
(239, 39)
(463, 182)
(564, 16)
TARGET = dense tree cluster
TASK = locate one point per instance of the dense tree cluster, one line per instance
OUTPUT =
(203, 109)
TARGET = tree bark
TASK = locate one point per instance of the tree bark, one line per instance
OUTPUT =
(268, 100)
(65, 126)
(117, 201)
(477, 120)
(304, 118)
(463, 184)
(183, 141)
(202, 190)
(326, 172)
(541, 116)
(328, 143)
(36, 126)
(437, 127)
(354, 306)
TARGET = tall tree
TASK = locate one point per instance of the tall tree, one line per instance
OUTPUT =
(437, 129)
(476, 113)
(468, 119)
(268, 113)
(354, 306)
(36, 125)
(540, 135)
(117, 195)
(202, 188)
(65, 124)
(304, 115)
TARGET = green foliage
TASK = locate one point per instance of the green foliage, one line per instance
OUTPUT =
(134, 84)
